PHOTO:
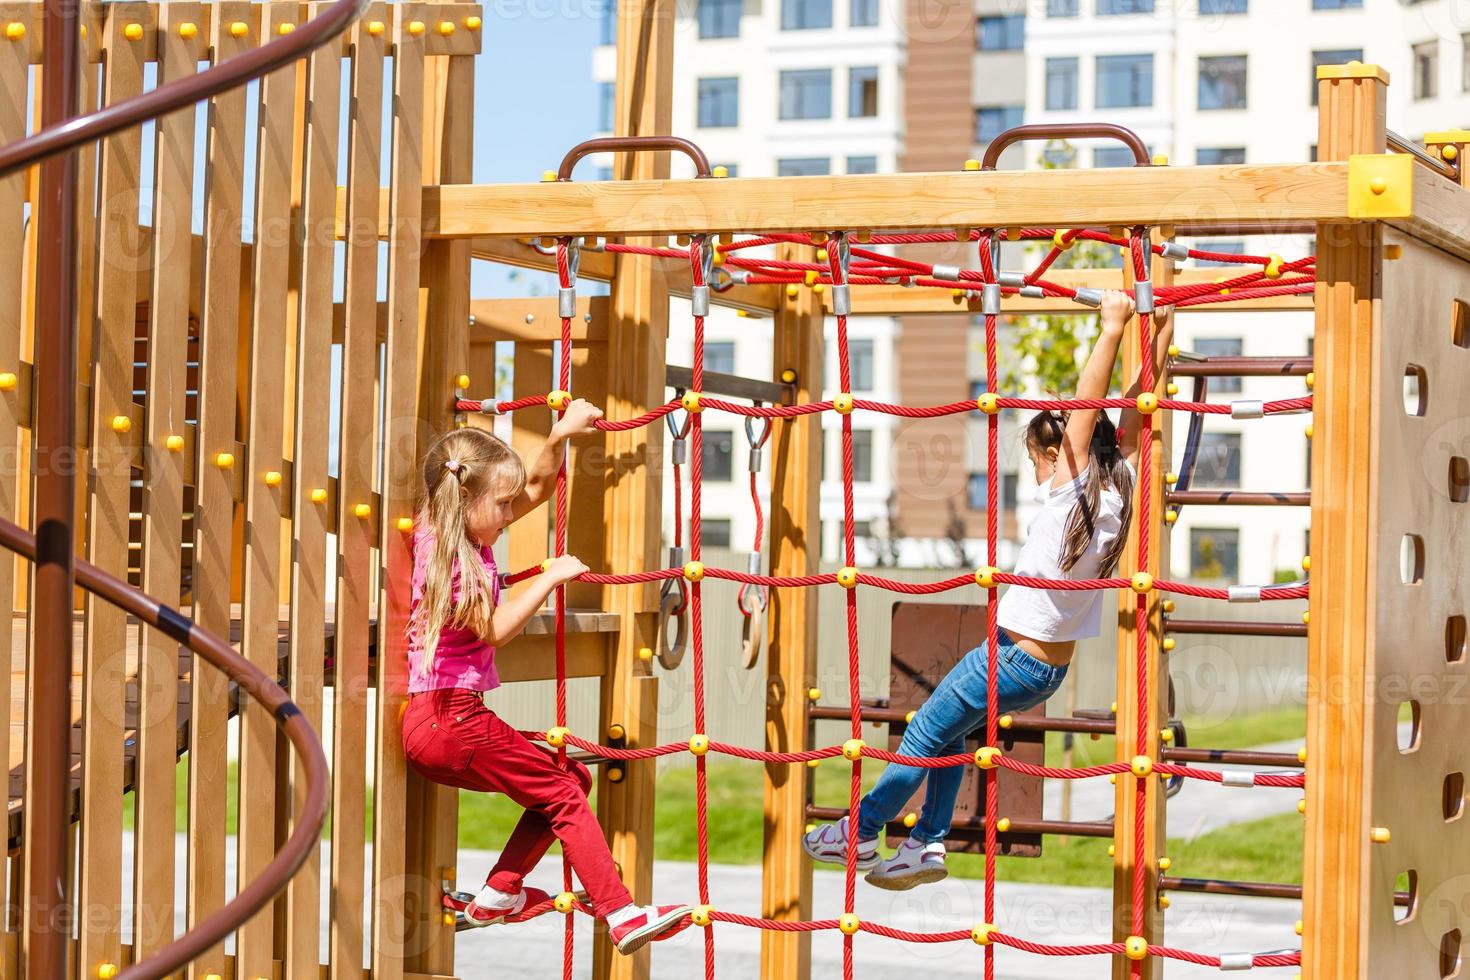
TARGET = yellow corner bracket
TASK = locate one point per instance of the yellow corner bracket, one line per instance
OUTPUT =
(1380, 185)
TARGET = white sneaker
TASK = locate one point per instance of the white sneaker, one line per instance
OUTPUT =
(914, 863)
(829, 843)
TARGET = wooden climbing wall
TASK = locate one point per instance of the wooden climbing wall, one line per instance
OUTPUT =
(252, 355)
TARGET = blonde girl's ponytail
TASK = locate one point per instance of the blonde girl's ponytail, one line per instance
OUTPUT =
(460, 468)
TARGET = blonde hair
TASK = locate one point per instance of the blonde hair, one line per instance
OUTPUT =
(460, 468)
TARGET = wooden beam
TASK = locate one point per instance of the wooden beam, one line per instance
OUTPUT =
(1255, 199)
(1337, 907)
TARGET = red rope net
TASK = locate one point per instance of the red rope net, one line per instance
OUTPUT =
(841, 264)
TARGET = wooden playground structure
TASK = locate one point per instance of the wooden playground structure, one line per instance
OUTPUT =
(205, 477)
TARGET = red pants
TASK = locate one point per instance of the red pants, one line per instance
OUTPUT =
(450, 737)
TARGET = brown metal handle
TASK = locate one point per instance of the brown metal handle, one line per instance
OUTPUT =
(1064, 131)
(298, 847)
(633, 144)
(238, 70)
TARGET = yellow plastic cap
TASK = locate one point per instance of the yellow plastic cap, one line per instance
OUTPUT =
(548, 176)
(319, 495)
(1380, 835)
(224, 460)
(645, 653)
(8, 381)
(699, 744)
(1135, 948)
(415, 27)
(133, 32)
(792, 290)
(1165, 864)
(1168, 643)
(972, 164)
(1003, 825)
(910, 820)
(107, 971)
(272, 478)
(814, 694)
(284, 29)
(405, 524)
(239, 28)
(376, 27)
(1171, 389)
(174, 443)
(15, 30)
(121, 423)
(363, 510)
(720, 171)
(788, 377)
(987, 756)
(472, 22)
(446, 27)
(462, 381)
(1006, 721)
(1142, 766)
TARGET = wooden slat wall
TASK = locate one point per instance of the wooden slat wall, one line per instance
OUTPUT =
(163, 482)
(13, 78)
(302, 941)
(214, 487)
(106, 641)
(399, 478)
(354, 486)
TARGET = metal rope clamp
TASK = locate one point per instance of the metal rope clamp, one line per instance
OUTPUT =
(699, 295)
(841, 291)
(566, 296)
(753, 599)
(673, 600)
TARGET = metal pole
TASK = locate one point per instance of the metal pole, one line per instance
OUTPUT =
(48, 742)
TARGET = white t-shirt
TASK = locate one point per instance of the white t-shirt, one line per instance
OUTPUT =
(1052, 614)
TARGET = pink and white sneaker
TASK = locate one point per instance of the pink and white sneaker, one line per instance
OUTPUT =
(646, 923)
(914, 863)
(515, 908)
(829, 843)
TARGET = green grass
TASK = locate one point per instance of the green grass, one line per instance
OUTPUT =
(1238, 732)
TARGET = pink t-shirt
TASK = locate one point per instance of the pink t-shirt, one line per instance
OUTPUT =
(461, 658)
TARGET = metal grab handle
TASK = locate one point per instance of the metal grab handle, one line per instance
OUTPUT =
(293, 853)
(633, 144)
(236, 71)
(1062, 131)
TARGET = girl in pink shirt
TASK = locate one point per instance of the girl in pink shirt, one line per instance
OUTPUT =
(476, 486)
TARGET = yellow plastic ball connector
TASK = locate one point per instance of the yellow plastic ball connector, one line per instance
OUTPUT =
(1135, 948)
(1148, 403)
(558, 400)
(852, 749)
(699, 744)
(565, 902)
(849, 923)
(690, 402)
(842, 403)
(987, 756)
(702, 915)
(557, 737)
(989, 403)
(694, 571)
(1142, 766)
(1141, 582)
(985, 577)
(847, 577)
(981, 934)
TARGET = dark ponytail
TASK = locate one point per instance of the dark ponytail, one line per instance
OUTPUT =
(1106, 467)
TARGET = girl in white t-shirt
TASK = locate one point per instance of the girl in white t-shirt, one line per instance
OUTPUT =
(1085, 472)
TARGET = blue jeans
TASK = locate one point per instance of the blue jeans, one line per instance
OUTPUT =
(953, 711)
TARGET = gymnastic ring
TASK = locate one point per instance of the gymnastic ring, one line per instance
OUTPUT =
(673, 604)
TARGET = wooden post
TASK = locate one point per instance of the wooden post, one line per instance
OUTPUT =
(1155, 708)
(791, 653)
(633, 498)
(1344, 494)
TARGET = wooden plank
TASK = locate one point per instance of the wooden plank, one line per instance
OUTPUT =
(1154, 708)
(254, 949)
(13, 286)
(791, 649)
(356, 433)
(105, 640)
(308, 611)
(1258, 199)
(1340, 636)
(214, 506)
(448, 141)
(400, 479)
(536, 319)
(163, 484)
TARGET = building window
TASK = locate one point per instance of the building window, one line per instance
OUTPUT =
(714, 532)
(1337, 4)
(1125, 81)
(1223, 6)
(991, 121)
(1426, 70)
(1114, 156)
(863, 13)
(803, 166)
(607, 27)
(719, 102)
(1222, 82)
(1220, 347)
(862, 165)
(806, 94)
(1061, 84)
(805, 15)
(1236, 247)
(1218, 463)
(605, 106)
(1214, 552)
(1113, 8)
(862, 92)
(1337, 56)
(603, 173)
(719, 18)
(860, 363)
(1061, 8)
(717, 450)
(1465, 62)
(1001, 33)
(1216, 156)
(719, 356)
(862, 455)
